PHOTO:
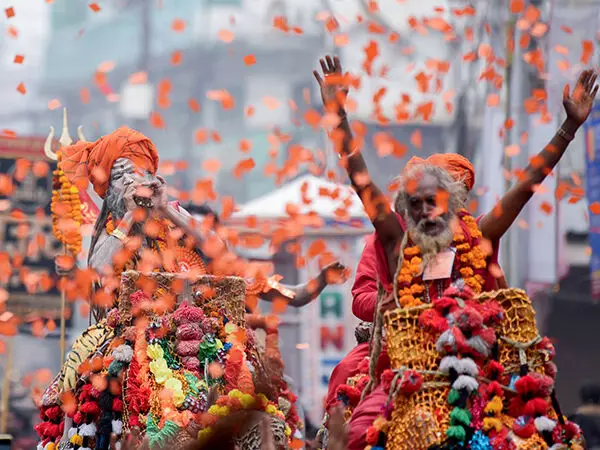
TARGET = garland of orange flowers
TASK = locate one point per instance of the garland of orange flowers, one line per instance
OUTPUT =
(471, 258)
(66, 209)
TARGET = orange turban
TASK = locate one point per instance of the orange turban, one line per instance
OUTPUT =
(459, 167)
(93, 161)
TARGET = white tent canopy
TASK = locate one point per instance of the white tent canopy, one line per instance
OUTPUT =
(274, 204)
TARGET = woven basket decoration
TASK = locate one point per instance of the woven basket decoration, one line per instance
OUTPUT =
(518, 326)
(205, 291)
(418, 420)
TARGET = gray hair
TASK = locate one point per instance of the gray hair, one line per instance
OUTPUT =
(457, 192)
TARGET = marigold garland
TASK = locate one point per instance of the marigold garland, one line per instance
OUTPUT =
(66, 209)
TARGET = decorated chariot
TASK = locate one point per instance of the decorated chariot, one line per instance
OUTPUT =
(467, 372)
(172, 358)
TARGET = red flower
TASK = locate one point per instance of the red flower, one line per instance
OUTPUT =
(386, 379)
(372, 435)
(524, 428)
(348, 394)
(468, 319)
(494, 370)
(566, 433)
(445, 305)
(494, 389)
(411, 382)
(432, 321)
(536, 407)
(463, 292)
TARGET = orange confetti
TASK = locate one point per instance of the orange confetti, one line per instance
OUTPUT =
(156, 120)
(271, 103)
(245, 145)
(10, 12)
(178, 25)
(194, 105)
(226, 36)
(249, 60)
(54, 104)
(566, 29)
(212, 165)
(85, 95)
(517, 6)
(417, 139)
(493, 100)
(243, 167)
(138, 78)
(21, 89)
(587, 50)
(176, 57)
(13, 32)
(512, 150)
(595, 208)
(95, 7)
(19, 59)
(341, 40)
(546, 208)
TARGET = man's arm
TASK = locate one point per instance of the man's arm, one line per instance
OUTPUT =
(377, 206)
(302, 294)
(578, 106)
(364, 290)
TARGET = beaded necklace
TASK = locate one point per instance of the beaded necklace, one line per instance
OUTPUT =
(470, 264)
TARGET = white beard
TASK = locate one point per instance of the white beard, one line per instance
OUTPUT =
(430, 246)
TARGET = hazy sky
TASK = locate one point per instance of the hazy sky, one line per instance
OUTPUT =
(31, 23)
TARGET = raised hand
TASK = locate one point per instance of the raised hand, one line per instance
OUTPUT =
(333, 88)
(335, 273)
(579, 105)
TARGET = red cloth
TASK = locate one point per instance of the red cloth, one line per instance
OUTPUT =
(364, 303)
(364, 290)
(363, 417)
(347, 367)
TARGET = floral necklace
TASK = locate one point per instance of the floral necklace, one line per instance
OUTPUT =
(175, 259)
(471, 260)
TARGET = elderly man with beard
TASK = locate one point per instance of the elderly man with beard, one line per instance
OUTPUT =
(122, 170)
(432, 241)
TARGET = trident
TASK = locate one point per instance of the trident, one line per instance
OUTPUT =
(64, 141)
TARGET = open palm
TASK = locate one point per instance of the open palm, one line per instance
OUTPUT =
(578, 105)
(333, 88)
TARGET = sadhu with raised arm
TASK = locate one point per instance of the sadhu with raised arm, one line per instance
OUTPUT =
(154, 355)
(432, 255)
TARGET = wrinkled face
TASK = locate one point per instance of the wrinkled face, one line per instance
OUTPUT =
(123, 174)
(427, 206)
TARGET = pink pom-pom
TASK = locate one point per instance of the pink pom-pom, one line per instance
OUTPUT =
(432, 321)
(524, 428)
(188, 348)
(188, 314)
(189, 332)
(445, 305)
(191, 363)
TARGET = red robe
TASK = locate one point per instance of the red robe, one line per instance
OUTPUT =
(372, 405)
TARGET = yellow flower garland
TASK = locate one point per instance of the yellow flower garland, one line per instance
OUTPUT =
(163, 375)
(471, 258)
(67, 195)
